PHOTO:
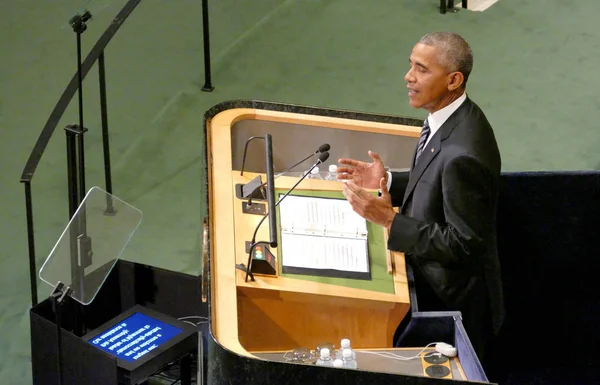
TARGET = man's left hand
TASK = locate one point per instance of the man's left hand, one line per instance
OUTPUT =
(377, 210)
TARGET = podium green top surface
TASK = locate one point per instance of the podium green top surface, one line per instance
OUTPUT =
(381, 280)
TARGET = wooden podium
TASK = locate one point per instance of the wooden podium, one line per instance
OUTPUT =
(253, 324)
(282, 313)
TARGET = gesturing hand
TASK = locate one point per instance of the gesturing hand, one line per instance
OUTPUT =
(365, 175)
(377, 210)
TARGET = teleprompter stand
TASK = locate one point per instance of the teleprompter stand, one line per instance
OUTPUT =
(80, 242)
(92, 278)
(128, 284)
(76, 277)
(149, 339)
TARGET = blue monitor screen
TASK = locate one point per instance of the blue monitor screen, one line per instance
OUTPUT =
(134, 337)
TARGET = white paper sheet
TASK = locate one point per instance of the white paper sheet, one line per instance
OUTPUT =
(322, 233)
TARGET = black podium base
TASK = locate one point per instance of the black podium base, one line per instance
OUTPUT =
(129, 284)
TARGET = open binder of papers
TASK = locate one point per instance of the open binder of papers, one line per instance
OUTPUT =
(324, 237)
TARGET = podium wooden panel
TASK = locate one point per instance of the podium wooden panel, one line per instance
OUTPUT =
(280, 313)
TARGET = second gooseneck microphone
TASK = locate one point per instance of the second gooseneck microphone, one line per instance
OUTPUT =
(322, 149)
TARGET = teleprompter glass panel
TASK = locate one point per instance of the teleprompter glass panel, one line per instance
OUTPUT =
(91, 244)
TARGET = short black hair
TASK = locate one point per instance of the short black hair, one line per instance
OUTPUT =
(456, 52)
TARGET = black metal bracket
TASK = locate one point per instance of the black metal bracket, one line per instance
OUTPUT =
(59, 293)
(76, 129)
(78, 22)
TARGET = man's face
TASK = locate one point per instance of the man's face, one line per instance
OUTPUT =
(427, 79)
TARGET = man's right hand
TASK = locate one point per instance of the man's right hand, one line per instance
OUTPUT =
(366, 175)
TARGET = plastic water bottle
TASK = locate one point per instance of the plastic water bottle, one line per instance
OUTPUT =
(325, 359)
(332, 174)
(337, 363)
(345, 344)
(349, 362)
(314, 174)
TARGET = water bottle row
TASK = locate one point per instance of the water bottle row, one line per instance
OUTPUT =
(345, 357)
(330, 175)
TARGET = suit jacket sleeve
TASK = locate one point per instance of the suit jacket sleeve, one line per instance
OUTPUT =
(468, 204)
(398, 187)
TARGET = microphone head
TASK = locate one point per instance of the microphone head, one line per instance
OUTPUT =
(324, 147)
(323, 157)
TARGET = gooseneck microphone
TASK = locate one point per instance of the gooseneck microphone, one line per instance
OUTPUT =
(246, 149)
(322, 158)
(322, 149)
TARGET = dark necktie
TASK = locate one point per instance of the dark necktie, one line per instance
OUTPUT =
(422, 140)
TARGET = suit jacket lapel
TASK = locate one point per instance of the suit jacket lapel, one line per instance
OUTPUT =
(429, 153)
(432, 149)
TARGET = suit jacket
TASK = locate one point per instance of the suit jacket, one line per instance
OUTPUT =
(447, 223)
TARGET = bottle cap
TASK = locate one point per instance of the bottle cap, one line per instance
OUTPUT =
(347, 353)
(345, 343)
(324, 352)
(332, 168)
(314, 170)
(338, 363)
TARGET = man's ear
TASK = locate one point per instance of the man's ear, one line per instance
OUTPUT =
(456, 80)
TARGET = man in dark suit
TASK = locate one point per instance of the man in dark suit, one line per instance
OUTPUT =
(447, 222)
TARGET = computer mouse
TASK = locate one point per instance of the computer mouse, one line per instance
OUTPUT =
(445, 349)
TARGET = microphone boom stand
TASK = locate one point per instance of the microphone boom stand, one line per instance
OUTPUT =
(254, 243)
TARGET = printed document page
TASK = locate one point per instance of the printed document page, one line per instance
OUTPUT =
(316, 252)
(321, 216)
(322, 233)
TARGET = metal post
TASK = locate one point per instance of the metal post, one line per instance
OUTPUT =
(76, 180)
(105, 136)
(72, 180)
(31, 244)
(208, 87)
(81, 152)
(77, 271)
(72, 183)
(57, 309)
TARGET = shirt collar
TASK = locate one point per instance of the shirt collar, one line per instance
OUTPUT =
(439, 117)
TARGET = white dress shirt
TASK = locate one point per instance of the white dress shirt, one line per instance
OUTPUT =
(436, 120)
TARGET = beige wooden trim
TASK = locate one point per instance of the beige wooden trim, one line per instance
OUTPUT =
(224, 277)
(331, 122)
